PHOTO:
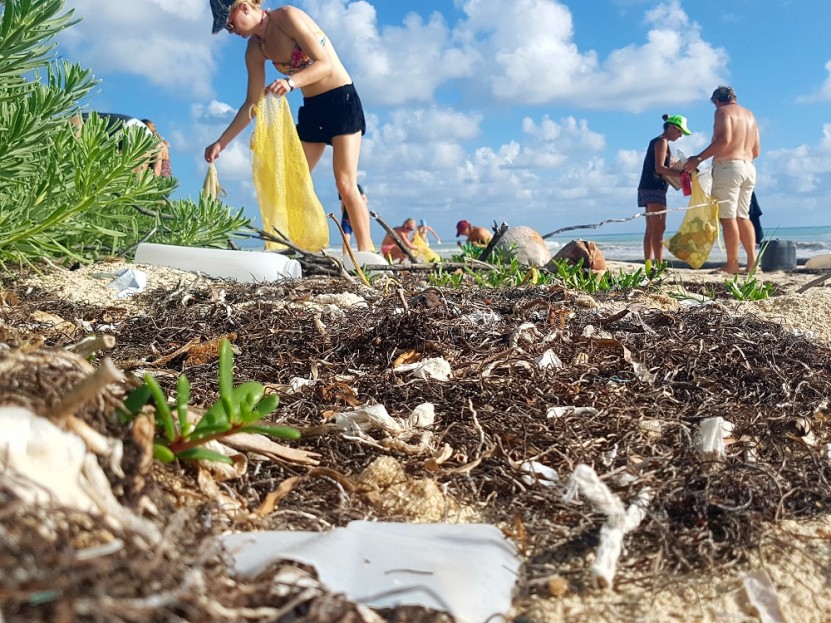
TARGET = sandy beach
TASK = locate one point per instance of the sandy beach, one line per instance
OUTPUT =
(309, 333)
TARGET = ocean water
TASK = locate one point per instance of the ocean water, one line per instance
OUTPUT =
(810, 241)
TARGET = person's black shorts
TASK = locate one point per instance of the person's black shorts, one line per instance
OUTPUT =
(344, 221)
(335, 113)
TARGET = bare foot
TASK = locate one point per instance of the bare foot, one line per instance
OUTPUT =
(727, 269)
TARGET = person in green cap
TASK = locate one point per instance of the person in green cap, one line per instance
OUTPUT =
(652, 190)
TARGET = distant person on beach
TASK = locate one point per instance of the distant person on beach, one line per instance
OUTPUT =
(420, 240)
(160, 164)
(475, 235)
(345, 225)
(652, 189)
(755, 214)
(390, 250)
(116, 124)
(331, 113)
(422, 230)
(734, 147)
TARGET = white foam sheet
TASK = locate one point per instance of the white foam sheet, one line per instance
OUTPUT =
(467, 570)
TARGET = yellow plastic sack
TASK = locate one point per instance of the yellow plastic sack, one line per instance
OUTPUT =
(423, 252)
(282, 179)
(699, 229)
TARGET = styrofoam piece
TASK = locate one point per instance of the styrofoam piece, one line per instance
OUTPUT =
(467, 570)
(242, 266)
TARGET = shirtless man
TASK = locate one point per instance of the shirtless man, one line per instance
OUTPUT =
(475, 235)
(390, 250)
(734, 146)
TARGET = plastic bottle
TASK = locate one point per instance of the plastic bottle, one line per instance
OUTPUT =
(686, 184)
(242, 266)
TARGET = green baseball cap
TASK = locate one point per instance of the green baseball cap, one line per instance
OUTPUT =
(679, 121)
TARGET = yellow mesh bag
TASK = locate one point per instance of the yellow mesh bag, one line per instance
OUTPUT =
(282, 179)
(423, 252)
(699, 229)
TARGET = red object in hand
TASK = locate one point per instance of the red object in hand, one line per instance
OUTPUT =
(686, 184)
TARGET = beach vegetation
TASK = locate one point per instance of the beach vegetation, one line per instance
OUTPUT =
(73, 191)
(508, 271)
(748, 288)
(240, 409)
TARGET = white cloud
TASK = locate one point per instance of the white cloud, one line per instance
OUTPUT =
(824, 93)
(536, 61)
(396, 64)
(166, 43)
(802, 169)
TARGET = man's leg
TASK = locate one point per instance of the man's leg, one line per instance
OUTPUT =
(731, 244)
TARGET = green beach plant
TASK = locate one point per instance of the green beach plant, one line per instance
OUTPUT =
(239, 409)
(747, 287)
(74, 191)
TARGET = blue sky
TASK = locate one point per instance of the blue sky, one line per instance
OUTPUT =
(533, 112)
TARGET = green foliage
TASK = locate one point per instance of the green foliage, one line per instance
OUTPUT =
(507, 271)
(239, 409)
(748, 288)
(77, 192)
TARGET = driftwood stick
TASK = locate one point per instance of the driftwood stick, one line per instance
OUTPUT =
(394, 235)
(349, 252)
(307, 256)
(815, 282)
(498, 232)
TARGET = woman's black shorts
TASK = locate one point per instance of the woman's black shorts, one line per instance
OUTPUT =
(334, 113)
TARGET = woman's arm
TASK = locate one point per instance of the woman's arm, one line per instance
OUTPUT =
(255, 65)
(660, 156)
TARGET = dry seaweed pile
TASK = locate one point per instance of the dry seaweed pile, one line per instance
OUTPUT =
(632, 388)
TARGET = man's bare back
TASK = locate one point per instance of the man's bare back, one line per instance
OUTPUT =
(735, 133)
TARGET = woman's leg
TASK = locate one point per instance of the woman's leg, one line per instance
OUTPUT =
(346, 152)
(314, 152)
(655, 227)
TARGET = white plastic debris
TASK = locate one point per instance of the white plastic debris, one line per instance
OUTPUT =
(710, 438)
(558, 412)
(344, 300)
(466, 570)
(53, 466)
(423, 415)
(549, 360)
(128, 282)
(367, 418)
(620, 520)
(297, 383)
(431, 368)
(483, 317)
(761, 593)
(652, 428)
(535, 472)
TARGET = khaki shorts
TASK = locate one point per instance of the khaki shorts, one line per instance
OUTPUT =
(733, 184)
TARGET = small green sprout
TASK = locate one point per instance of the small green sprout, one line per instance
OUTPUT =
(239, 409)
